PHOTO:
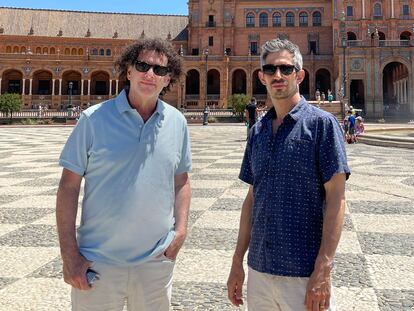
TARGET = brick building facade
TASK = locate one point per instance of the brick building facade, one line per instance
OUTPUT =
(360, 49)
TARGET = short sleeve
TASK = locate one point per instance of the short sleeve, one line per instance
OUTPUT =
(75, 153)
(185, 159)
(331, 150)
(246, 173)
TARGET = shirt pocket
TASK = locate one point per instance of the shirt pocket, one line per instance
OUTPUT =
(300, 153)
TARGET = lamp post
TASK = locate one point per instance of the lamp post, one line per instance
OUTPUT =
(344, 44)
(206, 108)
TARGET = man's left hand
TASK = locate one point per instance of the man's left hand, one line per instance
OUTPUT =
(318, 290)
(172, 251)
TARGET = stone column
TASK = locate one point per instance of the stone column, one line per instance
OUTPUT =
(53, 87)
(60, 87)
(89, 87)
(363, 9)
(30, 86)
(110, 88)
(405, 91)
(116, 86)
(0, 85)
(392, 9)
(23, 88)
(82, 86)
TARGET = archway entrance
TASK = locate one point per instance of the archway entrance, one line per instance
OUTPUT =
(357, 94)
(239, 82)
(304, 86)
(323, 81)
(395, 85)
(11, 82)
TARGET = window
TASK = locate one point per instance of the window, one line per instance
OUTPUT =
(250, 20)
(211, 22)
(276, 20)
(349, 11)
(52, 51)
(108, 52)
(8, 49)
(14, 86)
(316, 19)
(263, 20)
(67, 51)
(303, 19)
(194, 52)
(253, 48)
(100, 88)
(94, 51)
(228, 51)
(102, 52)
(406, 9)
(312, 47)
(16, 49)
(74, 52)
(210, 41)
(38, 50)
(290, 19)
(377, 10)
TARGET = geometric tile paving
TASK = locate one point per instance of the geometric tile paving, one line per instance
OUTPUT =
(374, 263)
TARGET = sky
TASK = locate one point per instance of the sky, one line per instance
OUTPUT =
(175, 7)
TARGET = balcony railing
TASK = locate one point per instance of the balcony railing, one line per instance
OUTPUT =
(382, 43)
(210, 24)
(192, 97)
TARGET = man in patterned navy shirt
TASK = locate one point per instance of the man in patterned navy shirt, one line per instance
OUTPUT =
(292, 216)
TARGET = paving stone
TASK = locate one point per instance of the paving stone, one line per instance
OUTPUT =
(386, 243)
(31, 235)
(22, 216)
(351, 271)
(381, 207)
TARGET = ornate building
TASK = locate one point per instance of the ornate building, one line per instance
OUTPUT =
(360, 49)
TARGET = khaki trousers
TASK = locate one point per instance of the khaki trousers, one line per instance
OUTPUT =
(266, 292)
(146, 287)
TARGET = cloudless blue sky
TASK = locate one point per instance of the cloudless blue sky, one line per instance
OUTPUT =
(125, 6)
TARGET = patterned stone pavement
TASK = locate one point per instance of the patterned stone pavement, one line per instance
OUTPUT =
(374, 265)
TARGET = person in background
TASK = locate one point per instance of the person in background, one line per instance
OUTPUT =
(292, 216)
(251, 113)
(359, 127)
(351, 127)
(127, 149)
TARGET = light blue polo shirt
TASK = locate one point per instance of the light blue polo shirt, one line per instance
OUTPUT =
(129, 168)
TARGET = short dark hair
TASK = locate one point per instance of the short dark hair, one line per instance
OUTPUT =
(162, 47)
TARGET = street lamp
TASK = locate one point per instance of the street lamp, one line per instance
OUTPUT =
(70, 93)
(206, 108)
(344, 44)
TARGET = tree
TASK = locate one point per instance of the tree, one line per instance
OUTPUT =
(10, 103)
(238, 102)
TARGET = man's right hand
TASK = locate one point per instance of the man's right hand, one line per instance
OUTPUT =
(74, 271)
(235, 283)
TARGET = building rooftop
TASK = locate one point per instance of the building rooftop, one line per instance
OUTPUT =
(81, 24)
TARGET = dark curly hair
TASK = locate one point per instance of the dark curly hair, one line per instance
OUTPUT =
(162, 47)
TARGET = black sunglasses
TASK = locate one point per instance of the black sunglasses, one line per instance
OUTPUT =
(158, 69)
(286, 70)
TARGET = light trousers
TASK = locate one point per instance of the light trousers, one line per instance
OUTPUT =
(146, 287)
(266, 292)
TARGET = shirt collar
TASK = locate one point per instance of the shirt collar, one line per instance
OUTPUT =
(295, 113)
(123, 105)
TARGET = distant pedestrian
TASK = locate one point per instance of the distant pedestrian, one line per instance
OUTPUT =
(251, 113)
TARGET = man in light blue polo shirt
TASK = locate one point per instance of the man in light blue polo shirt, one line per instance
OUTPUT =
(134, 154)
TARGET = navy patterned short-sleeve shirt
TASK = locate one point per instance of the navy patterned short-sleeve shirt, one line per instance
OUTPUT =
(288, 171)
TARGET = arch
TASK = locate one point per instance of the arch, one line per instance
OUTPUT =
(52, 50)
(290, 19)
(12, 81)
(67, 51)
(8, 49)
(351, 35)
(213, 82)
(192, 82)
(71, 76)
(395, 88)
(323, 80)
(263, 20)
(74, 51)
(303, 19)
(15, 49)
(23, 49)
(250, 19)
(257, 86)
(277, 19)
(42, 82)
(405, 35)
(238, 84)
(45, 50)
(80, 51)
(100, 83)
(38, 50)
(304, 88)
(316, 18)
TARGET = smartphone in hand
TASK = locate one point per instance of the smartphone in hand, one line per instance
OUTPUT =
(91, 276)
